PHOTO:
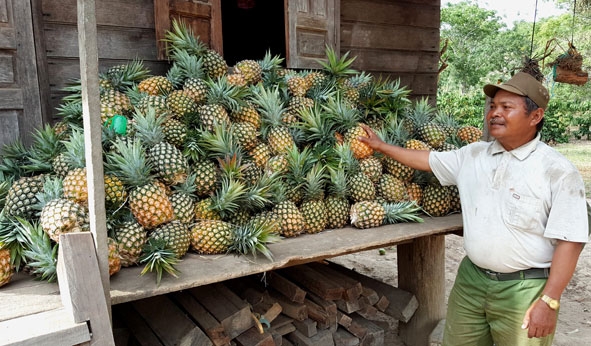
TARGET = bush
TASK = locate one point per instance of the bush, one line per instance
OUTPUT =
(467, 108)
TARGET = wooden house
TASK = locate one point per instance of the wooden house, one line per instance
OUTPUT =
(39, 45)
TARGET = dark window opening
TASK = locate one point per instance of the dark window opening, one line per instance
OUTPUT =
(252, 27)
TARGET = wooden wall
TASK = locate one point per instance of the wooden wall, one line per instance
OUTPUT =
(125, 31)
(394, 38)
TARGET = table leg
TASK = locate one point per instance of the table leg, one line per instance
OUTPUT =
(421, 270)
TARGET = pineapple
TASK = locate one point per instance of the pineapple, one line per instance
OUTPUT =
(260, 154)
(148, 201)
(436, 200)
(313, 208)
(422, 115)
(367, 214)
(181, 103)
(113, 102)
(396, 134)
(372, 167)
(273, 129)
(190, 74)
(347, 120)
(60, 215)
(74, 184)
(247, 113)
(176, 235)
(469, 134)
(40, 251)
(221, 99)
(251, 70)
(183, 200)
(454, 195)
(246, 135)
(115, 192)
(270, 69)
(22, 196)
(337, 204)
(6, 267)
(211, 237)
(290, 219)
(206, 177)
(113, 257)
(131, 238)
(296, 85)
(391, 189)
(359, 186)
(415, 192)
(168, 162)
(175, 132)
(156, 85)
(236, 79)
(203, 210)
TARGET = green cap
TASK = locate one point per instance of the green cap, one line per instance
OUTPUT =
(522, 84)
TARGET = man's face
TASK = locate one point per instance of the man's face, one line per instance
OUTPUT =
(508, 121)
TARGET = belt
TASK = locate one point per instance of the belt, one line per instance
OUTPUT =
(532, 273)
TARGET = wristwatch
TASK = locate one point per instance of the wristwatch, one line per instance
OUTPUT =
(552, 303)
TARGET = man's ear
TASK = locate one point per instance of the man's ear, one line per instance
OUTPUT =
(537, 116)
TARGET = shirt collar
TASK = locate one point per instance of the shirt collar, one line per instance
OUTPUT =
(520, 153)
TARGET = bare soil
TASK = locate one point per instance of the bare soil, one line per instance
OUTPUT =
(574, 324)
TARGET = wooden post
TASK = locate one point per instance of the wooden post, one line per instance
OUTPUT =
(79, 282)
(421, 270)
(91, 109)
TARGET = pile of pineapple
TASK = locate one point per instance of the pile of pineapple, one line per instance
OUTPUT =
(213, 159)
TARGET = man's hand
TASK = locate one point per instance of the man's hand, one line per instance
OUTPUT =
(539, 320)
(373, 140)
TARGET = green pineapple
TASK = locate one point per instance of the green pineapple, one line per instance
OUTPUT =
(168, 162)
(422, 115)
(222, 98)
(183, 200)
(313, 208)
(391, 189)
(22, 196)
(176, 236)
(372, 167)
(436, 200)
(148, 201)
(337, 204)
(131, 238)
(290, 219)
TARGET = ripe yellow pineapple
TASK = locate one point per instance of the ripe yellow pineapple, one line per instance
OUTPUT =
(367, 214)
(313, 208)
(176, 236)
(114, 258)
(469, 134)
(6, 268)
(211, 236)
(156, 85)
(251, 70)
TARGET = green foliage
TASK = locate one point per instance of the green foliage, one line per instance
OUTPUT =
(481, 49)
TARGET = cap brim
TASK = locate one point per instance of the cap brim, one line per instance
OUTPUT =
(490, 89)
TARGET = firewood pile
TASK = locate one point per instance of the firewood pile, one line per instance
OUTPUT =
(319, 303)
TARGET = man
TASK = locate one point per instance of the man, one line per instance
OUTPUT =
(525, 221)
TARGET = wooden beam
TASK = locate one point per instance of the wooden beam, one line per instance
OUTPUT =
(80, 286)
(92, 136)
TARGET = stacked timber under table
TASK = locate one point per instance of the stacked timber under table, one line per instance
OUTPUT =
(421, 265)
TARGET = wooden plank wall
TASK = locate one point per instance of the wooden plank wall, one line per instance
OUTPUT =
(394, 38)
(125, 30)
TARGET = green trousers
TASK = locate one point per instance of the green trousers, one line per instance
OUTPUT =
(486, 312)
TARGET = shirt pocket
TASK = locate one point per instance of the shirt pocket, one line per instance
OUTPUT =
(523, 212)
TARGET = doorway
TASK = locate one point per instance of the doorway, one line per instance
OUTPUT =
(252, 27)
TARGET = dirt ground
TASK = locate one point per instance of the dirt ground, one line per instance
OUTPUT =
(574, 324)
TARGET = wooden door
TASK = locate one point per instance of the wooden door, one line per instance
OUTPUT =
(310, 26)
(204, 17)
(20, 109)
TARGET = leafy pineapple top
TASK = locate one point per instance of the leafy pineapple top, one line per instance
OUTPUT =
(337, 67)
(130, 163)
(181, 37)
(75, 153)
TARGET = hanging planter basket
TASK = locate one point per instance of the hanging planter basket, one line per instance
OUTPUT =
(568, 68)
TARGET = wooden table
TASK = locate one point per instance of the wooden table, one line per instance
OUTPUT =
(421, 270)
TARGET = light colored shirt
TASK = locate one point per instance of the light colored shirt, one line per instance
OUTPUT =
(515, 204)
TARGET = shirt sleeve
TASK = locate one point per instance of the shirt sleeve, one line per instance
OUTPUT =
(568, 218)
(446, 165)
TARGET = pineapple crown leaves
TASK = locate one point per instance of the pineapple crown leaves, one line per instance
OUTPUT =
(346, 160)
(253, 238)
(125, 76)
(394, 96)
(75, 153)
(190, 66)
(315, 183)
(159, 257)
(299, 163)
(260, 194)
(421, 112)
(52, 189)
(228, 197)
(338, 183)
(188, 186)
(130, 163)
(395, 133)
(323, 92)
(181, 37)
(231, 97)
(175, 76)
(446, 119)
(148, 126)
(231, 167)
(40, 252)
(193, 149)
(335, 66)
(401, 212)
(270, 63)
(46, 146)
(316, 125)
(13, 238)
(360, 80)
(219, 143)
(343, 115)
(14, 158)
(269, 104)
(71, 112)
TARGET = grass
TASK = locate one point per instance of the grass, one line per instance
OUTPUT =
(579, 153)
